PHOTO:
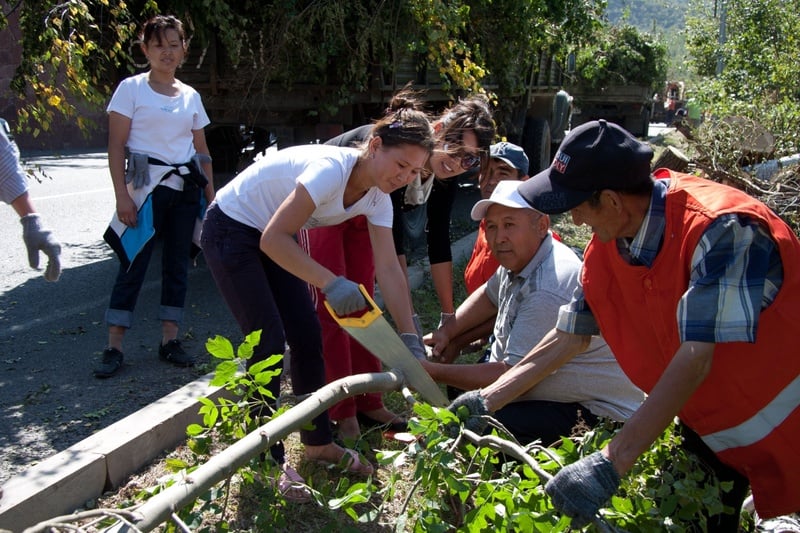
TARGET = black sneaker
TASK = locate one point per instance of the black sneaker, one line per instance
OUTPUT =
(173, 352)
(110, 365)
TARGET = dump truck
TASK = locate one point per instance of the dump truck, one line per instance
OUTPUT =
(629, 106)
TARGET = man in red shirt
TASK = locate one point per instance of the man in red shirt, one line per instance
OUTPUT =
(506, 162)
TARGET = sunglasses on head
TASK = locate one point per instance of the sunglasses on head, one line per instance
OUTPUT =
(467, 160)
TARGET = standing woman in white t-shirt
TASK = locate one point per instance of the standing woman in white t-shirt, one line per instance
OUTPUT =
(157, 122)
(249, 242)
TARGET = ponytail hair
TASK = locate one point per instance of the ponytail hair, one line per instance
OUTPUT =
(405, 122)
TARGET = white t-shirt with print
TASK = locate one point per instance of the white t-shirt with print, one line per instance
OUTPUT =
(161, 126)
(255, 194)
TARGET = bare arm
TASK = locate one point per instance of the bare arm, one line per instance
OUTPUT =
(465, 377)
(119, 127)
(442, 276)
(461, 341)
(22, 204)
(555, 349)
(467, 325)
(278, 242)
(201, 147)
(391, 278)
(687, 370)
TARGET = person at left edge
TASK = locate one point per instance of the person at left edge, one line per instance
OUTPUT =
(249, 241)
(158, 121)
(14, 191)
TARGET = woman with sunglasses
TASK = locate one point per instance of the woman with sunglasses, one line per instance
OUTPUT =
(249, 243)
(463, 135)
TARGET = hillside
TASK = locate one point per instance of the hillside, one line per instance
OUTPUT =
(663, 18)
(655, 16)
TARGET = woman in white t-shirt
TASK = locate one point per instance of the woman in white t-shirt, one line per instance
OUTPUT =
(249, 241)
(157, 122)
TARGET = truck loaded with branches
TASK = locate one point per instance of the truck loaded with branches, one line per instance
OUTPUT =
(615, 78)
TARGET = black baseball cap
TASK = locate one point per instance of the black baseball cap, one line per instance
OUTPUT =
(594, 156)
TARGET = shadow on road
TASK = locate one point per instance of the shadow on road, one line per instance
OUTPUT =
(52, 335)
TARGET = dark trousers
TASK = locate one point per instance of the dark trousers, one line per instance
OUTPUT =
(262, 295)
(546, 421)
(174, 217)
(724, 523)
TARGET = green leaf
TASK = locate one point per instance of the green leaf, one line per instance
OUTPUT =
(193, 430)
(270, 361)
(224, 373)
(220, 347)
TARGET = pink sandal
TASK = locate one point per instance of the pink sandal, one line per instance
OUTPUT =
(350, 462)
(292, 486)
(354, 464)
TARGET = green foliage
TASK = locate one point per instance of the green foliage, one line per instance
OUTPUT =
(233, 419)
(621, 55)
(465, 488)
(752, 75)
(444, 481)
(338, 47)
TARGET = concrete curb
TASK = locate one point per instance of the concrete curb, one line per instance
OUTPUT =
(67, 480)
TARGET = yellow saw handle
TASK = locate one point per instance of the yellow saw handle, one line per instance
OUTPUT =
(362, 321)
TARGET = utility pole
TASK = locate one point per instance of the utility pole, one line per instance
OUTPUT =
(722, 35)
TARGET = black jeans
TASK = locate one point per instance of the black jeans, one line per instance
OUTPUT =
(546, 421)
(174, 216)
(262, 295)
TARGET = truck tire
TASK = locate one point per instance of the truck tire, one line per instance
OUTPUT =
(536, 143)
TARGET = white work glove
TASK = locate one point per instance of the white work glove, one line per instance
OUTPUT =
(344, 296)
(38, 239)
(138, 171)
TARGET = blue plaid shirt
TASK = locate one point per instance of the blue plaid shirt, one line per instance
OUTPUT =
(736, 272)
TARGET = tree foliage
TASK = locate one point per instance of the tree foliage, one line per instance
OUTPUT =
(622, 55)
(759, 78)
(74, 51)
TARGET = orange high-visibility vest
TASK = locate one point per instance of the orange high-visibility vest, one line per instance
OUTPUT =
(746, 410)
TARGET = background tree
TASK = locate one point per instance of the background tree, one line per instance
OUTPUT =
(74, 51)
(760, 78)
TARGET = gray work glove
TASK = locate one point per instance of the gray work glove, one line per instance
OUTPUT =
(580, 489)
(414, 345)
(477, 412)
(138, 171)
(198, 160)
(344, 296)
(38, 239)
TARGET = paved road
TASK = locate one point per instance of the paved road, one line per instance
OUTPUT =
(52, 334)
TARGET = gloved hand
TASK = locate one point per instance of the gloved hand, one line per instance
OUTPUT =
(580, 489)
(477, 410)
(344, 296)
(198, 160)
(37, 239)
(414, 345)
(444, 318)
(138, 170)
